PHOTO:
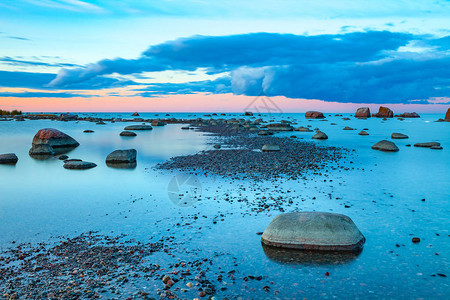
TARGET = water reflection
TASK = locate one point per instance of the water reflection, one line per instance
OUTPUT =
(302, 257)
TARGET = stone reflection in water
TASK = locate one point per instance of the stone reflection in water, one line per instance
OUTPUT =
(131, 165)
(303, 257)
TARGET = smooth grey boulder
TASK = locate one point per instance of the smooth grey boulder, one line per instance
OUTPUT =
(427, 145)
(314, 231)
(8, 158)
(54, 138)
(79, 165)
(41, 149)
(270, 148)
(139, 127)
(127, 133)
(386, 146)
(398, 136)
(122, 156)
(320, 136)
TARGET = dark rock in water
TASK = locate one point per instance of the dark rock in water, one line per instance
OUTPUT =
(263, 132)
(314, 115)
(68, 117)
(416, 240)
(41, 149)
(398, 136)
(124, 165)
(248, 113)
(348, 128)
(127, 133)
(63, 157)
(158, 123)
(88, 131)
(72, 159)
(314, 231)
(100, 123)
(409, 115)
(185, 127)
(8, 158)
(139, 127)
(436, 147)
(303, 129)
(320, 136)
(122, 156)
(79, 165)
(279, 127)
(386, 146)
(427, 145)
(362, 112)
(54, 138)
(447, 116)
(384, 112)
(135, 114)
(270, 148)
(217, 146)
(362, 132)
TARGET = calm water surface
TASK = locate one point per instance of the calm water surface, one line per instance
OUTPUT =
(382, 193)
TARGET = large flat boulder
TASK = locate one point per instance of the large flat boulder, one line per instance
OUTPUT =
(409, 115)
(122, 156)
(79, 165)
(314, 231)
(427, 145)
(270, 148)
(398, 136)
(139, 127)
(386, 146)
(362, 112)
(8, 158)
(314, 115)
(54, 138)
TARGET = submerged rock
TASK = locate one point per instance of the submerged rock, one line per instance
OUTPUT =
(436, 147)
(263, 132)
(303, 129)
(386, 146)
(54, 138)
(158, 123)
(314, 115)
(139, 127)
(270, 148)
(362, 112)
(384, 112)
(88, 131)
(320, 136)
(398, 136)
(79, 165)
(128, 133)
(8, 158)
(427, 145)
(362, 132)
(313, 231)
(409, 115)
(122, 156)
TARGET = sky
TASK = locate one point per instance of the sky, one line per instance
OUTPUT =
(219, 56)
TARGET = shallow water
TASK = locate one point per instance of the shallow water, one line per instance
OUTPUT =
(382, 193)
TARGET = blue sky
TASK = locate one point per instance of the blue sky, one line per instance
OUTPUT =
(344, 51)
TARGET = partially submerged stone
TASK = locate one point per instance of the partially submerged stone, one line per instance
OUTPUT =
(362, 112)
(139, 127)
(78, 165)
(320, 136)
(427, 145)
(398, 136)
(270, 148)
(279, 127)
(122, 156)
(41, 149)
(314, 115)
(362, 132)
(8, 158)
(386, 146)
(314, 231)
(127, 133)
(54, 138)
(447, 115)
(158, 123)
(303, 129)
(384, 112)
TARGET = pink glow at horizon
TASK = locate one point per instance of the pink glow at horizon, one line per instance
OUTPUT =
(197, 103)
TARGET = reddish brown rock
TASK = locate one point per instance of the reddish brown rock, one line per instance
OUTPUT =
(54, 138)
(314, 115)
(447, 115)
(384, 112)
(409, 115)
(362, 112)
